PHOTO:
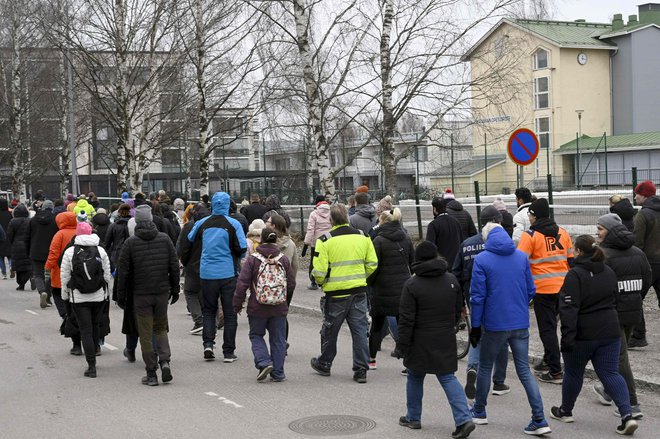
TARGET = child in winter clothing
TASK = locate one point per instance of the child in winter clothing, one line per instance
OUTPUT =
(317, 224)
(262, 317)
(254, 236)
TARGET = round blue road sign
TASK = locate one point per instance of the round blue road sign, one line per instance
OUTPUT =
(523, 147)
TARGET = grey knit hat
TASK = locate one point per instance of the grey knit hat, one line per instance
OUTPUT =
(609, 220)
(48, 205)
(490, 214)
(143, 213)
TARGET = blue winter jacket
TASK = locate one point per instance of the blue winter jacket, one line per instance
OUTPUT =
(223, 241)
(502, 285)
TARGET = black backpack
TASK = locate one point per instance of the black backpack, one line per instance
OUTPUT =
(87, 269)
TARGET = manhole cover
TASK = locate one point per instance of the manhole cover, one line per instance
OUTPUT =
(332, 425)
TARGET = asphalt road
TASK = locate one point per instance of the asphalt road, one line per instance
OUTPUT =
(43, 392)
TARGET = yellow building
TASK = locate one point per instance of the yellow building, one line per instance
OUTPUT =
(552, 77)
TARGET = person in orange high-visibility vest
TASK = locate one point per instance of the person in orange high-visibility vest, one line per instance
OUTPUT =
(550, 253)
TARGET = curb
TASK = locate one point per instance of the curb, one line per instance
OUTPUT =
(589, 372)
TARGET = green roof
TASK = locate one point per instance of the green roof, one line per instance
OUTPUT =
(622, 142)
(569, 33)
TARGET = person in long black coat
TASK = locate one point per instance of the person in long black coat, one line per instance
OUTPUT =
(5, 245)
(101, 224)
(430, 307)
(40, 231)
(622, 207)
(20, 262)
(395, 257)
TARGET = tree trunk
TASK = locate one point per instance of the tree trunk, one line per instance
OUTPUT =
(203, 122)
(16, 150)
(320, 146)
(124, 133)
(389, 124)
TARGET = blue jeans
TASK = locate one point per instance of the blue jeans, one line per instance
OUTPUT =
(276, 327)
(211, 291)
(491, 345)
(604, 355)
(353, 309)
(499, 376)
(3, 267)
(452, 388)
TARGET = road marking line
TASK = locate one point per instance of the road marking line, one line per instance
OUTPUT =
(109, 346)
(210, 394)
(224, 400)
(32, 312)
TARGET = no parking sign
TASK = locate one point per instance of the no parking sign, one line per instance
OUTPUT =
(523, 147)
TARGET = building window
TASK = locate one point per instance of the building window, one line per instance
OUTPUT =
(543, 131)
(541, 59)
(541, 93)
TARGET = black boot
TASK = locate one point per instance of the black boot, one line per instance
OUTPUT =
(76, 349)
(151, 379)
(166, 372)
(91, 369)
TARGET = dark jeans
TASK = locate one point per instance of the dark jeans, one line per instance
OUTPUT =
(353, 309)
(546, 308)
(59, 303)
(211, 291)
(624, 364)
(276, 339)
(376, 334)
(151, 318)
(88, 315)
(39, 279)
(604, 356)
(194, 306)
(640, 330)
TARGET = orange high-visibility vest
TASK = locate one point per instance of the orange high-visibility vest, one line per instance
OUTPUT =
(548, 258)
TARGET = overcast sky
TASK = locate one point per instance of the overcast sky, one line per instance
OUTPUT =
(600, 11)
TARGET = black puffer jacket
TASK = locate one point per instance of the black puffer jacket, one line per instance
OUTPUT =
(16, 234)
(40, 231)
(626, 212)
(101, 224)
(431, 304)
(632, 270)
(455, 210)
(587, 303)
(647, 229)
(5, 217)
(395, 257)
(147, 264)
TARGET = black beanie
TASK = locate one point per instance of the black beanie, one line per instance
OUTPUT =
(318, 199)
(540, 208)
(426, 250)
(490, 214)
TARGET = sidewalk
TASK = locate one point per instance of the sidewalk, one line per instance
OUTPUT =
(645, 363)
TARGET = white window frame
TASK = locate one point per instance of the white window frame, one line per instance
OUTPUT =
(538, 94)
(535, 59)
(539, 133)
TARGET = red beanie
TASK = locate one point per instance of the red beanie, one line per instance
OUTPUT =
(362, 188)
(645, 189)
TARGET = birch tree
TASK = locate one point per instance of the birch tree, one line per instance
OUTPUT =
(419, 48)
(19, 35)
(216, 37)
(122, 52)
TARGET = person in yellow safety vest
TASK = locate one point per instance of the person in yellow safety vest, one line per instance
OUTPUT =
(550, 253)
(84, 206)
(344, 258)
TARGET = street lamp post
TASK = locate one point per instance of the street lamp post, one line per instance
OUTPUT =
(577, 152)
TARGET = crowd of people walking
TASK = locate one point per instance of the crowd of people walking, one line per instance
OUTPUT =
(230, 257)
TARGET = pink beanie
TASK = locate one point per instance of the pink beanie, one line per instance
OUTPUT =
(83, 229)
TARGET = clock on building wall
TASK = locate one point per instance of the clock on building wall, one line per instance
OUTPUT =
(582, 58)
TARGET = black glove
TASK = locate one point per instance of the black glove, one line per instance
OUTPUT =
(304, 250)
(68, 308)
(174, 296)
(475, 336)
(399, 352)
(121, 304)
